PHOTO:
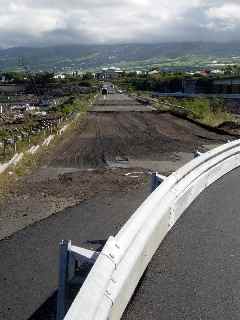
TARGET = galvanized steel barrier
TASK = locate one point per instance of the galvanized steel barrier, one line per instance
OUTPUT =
(123, 260)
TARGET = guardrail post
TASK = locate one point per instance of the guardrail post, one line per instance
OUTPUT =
(156, 180)
(197, 154)
(153, 181)
(63, 277)
(70, 257)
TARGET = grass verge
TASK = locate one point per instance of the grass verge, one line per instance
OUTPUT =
(211, 112)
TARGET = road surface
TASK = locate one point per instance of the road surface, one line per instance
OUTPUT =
(195, 272)
(119, 103)
(29, 258)
(82, 171)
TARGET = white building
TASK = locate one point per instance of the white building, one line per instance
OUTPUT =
(109, 73)
(59, 76)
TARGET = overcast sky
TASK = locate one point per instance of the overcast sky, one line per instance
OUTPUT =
(50, 22)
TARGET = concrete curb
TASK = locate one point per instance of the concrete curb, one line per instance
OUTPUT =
(18, 157)
(15, 159)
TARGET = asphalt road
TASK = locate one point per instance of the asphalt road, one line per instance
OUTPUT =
(119, 103)
(29, 258)
(195, 272)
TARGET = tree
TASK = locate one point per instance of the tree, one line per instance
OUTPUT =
(43, 79)
(88, 76)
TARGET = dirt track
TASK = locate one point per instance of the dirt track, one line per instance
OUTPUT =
(104, 138)
(97, 157)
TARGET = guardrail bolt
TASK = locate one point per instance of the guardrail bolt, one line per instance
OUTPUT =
(108, 293)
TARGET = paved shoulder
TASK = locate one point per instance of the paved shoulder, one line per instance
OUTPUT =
(195, 272)
(29, 259)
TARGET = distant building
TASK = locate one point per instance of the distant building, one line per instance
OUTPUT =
(211, 86)
(204, 73)
(109, 73)
(227, 86)
(23, 108)
(59, 76)
(217, 71)
(153, 72)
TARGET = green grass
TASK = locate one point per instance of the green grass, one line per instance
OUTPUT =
(207, 111)
(79, 104)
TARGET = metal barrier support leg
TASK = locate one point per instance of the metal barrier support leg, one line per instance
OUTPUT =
(197, 154)
(156, 180)
(153, 181)
(63, 276)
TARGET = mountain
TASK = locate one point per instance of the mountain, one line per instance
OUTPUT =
(87, 57)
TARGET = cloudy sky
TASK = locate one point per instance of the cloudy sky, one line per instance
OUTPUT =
(44, 22)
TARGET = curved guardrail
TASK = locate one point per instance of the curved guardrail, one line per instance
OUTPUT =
(122, 262)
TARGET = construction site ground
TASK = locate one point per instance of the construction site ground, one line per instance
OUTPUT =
(109, 151)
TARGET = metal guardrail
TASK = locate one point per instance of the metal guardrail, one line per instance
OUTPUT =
(123, 260)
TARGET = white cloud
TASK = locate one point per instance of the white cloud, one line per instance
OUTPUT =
(30, 22)
(229, 11)
(225, 17)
